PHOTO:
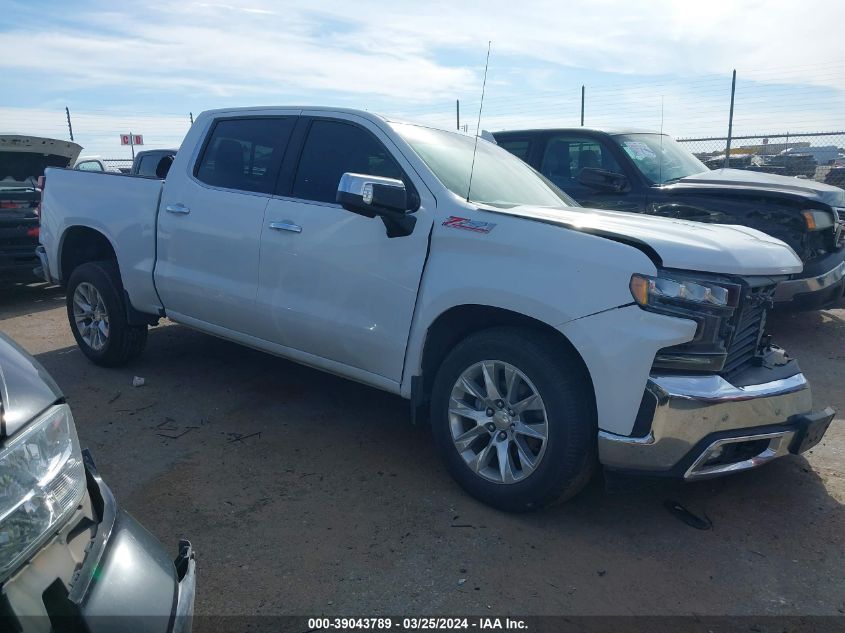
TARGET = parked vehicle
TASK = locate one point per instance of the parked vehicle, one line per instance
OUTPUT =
(646, 172)
(821, 154)
(95, 163)
(795, 164)
(70, 558)
(836, 177)
(22, 161)
(148, 163)
(541, 338)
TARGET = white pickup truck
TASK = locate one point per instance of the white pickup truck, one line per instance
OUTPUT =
(541, 338)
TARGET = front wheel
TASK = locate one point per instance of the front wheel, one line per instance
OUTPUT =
(514, 418)
(97, 315)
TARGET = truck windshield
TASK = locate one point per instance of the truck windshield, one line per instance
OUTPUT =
(660, 158)
(499, 179)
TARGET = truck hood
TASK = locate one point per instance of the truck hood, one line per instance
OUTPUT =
(26, 389)
(757, 181)
(715, 248)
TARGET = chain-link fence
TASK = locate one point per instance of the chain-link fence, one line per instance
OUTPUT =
(819, 156)
(120, 164)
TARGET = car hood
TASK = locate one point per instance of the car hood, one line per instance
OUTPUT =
(715, 248)
(758, 181)
(26, 389)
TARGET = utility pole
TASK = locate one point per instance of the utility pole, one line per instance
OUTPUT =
(582, 105)
(730, 122)
(69, 126)
(458, 113)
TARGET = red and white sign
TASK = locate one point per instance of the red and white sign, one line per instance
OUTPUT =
(131, 139)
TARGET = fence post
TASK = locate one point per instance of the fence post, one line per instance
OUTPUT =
(582, 105)
(69, 126)
(730, 122)
(458, 113)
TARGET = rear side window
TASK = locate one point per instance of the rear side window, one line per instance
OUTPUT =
(333, 148)
(518, 148)
(245, 154)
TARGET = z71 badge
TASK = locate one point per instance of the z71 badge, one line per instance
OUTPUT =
(469, 225)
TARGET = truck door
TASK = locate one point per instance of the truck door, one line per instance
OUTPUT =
(564, 157)
(331, 282)
(210, 221)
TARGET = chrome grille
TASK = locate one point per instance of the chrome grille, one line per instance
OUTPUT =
(839, 225)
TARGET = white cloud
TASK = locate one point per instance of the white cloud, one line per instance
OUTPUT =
(391, 49)
(415, 58)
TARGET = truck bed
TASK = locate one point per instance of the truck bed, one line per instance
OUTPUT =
(122, 208)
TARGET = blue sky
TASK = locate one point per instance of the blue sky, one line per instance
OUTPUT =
(143, 66)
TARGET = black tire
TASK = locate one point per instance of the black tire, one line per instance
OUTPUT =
(124, 341)
(561, 380)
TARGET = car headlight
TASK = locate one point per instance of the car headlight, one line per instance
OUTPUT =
(42, 481)
(817, 220)
(711, 304)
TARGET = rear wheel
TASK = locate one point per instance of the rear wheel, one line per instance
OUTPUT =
(514, 419)
(97, 314)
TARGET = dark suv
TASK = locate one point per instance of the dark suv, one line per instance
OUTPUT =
(23, 160)
(648, 172)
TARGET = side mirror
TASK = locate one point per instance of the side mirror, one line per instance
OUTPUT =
(603, 179)
(373, 196)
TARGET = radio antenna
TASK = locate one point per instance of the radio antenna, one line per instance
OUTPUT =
(478, 125)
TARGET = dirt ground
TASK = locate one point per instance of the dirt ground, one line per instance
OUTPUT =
(307, 494)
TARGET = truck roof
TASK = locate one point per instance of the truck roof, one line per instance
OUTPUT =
(373, 116)
(610, 131)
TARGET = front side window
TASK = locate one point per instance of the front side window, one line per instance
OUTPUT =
(498, 178)
(334, 148)
(245, 154)
(659, 157)
(565, 157)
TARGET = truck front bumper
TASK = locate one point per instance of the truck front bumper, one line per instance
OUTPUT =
(821, 284)
(706, 426)
(125, 582)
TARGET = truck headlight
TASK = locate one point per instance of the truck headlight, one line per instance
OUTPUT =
(711, 304)
(817, 220)
(656, 291)
(42, 481)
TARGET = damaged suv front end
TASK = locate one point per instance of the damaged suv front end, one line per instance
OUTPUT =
(70, 558)
(728, 400)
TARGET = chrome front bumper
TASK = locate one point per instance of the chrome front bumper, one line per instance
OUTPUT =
(696, 418)
(788, 290)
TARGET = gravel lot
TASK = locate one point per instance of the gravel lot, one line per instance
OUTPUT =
(306, 494)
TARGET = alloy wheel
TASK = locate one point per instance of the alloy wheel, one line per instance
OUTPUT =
(498, 421)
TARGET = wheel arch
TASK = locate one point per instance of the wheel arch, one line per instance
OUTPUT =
(82, 244)
(455, 324)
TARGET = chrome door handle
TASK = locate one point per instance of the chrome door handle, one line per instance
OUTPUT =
(179, 208)
(286, 225)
